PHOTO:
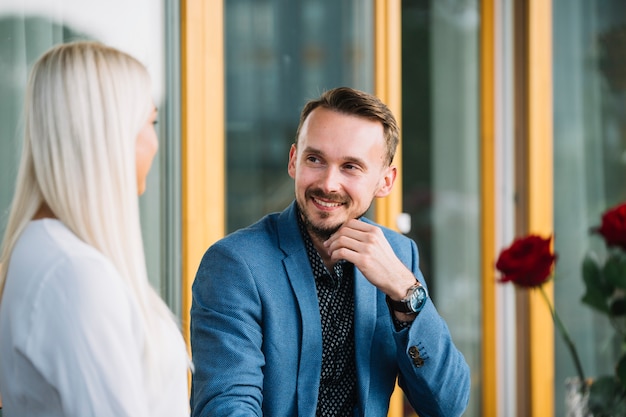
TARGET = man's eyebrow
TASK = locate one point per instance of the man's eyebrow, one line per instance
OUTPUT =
(351, 159)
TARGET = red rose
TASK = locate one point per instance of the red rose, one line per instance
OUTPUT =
(613, 227)
(527, 262)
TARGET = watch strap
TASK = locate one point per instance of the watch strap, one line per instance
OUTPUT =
(399, 306)
(405, 305)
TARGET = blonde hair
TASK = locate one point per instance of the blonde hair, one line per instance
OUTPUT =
(85, 104)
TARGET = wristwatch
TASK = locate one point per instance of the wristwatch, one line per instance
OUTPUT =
(414, 301)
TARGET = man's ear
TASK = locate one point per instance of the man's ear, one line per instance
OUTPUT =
(291, 166)
(387, 181)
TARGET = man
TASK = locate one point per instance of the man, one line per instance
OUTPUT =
(317, 310)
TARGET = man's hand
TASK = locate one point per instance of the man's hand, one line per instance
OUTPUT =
(365, 246)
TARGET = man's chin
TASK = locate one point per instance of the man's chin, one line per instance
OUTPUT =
(322, 230)
(318, 224)
(323, 233)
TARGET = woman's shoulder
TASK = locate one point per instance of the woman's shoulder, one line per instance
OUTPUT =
(54, 236)
(68, 313)
(59, 288)
(51, 268)
(48, 245)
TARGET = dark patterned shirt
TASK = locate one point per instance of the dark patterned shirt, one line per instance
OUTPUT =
(335, 293)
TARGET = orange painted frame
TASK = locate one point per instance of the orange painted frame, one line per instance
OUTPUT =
(388, 87)
(203, 176)
(488, 208)
(540, 195)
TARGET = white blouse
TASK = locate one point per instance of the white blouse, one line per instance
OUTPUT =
(71, 338)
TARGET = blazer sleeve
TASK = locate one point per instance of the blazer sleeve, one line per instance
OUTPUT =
(226, 337)
(433, 372)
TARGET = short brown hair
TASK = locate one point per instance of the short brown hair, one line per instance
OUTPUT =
(349, 101)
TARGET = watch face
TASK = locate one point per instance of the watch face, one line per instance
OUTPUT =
(418, 298)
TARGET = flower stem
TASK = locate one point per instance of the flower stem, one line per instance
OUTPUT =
(566, 338)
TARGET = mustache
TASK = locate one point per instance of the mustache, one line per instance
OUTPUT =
(333, 197)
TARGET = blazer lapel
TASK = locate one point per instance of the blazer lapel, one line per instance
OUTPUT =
(364, 326)
(303, 284)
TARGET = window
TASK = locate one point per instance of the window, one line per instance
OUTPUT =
(278, 55)
(28, 28)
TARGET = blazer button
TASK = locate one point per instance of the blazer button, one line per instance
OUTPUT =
(414, 353)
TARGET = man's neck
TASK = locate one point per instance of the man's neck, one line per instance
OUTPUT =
(318, 243)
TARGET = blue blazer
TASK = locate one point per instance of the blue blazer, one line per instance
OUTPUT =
(256, 333)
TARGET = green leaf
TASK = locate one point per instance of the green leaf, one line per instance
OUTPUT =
(606, 397)
(620, 371)
(593, 275)
(597, 293)
(615, 270)
(600, 393)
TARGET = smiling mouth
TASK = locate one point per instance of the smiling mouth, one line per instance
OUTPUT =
(327, 204)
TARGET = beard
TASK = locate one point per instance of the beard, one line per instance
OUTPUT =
(322, 232)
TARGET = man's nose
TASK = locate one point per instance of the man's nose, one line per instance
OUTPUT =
(331, 181)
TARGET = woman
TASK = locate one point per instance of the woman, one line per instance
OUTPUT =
(82, 332)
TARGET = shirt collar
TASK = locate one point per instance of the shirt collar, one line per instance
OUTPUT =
(319, 268)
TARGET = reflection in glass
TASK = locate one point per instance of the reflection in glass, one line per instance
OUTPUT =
(23, 40)
(589, 165)
(279, 54)
(441, 163)
(27, 29)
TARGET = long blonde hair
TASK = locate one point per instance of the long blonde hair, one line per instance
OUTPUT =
(85, 104)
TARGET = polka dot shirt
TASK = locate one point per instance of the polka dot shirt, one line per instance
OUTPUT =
(335, 293)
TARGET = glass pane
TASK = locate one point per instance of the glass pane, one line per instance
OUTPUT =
(589, 166)
(279, 54)
(27, 29)
(441, 188)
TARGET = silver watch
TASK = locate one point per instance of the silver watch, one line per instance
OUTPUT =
(414, 301)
